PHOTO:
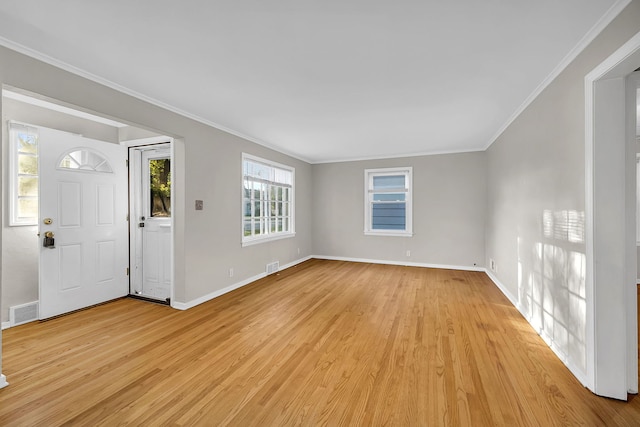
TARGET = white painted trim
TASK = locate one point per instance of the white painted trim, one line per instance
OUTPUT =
(6, 325)
(589, 235)
(220, 292)
(369, 176)
(504, 290)
(3, 381)
(153, 140)
(270, 238)
(13, 127)
(403, 263)
(6, 93)
(577, 372)
(387, 233)
(399, 156)
(616, 65)
(9, 44)
(606, 19)
(215, 294)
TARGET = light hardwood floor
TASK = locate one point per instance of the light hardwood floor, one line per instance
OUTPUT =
(322, 343)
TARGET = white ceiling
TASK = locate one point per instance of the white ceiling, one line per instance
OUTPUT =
(321, 80)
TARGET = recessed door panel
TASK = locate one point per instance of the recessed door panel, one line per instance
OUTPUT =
(70, 203)
(105, 204)
(70, 266)
(151, 258)
(105, 261)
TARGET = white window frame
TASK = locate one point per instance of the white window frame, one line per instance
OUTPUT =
(12, 128)
(369, 174)
(268, 236)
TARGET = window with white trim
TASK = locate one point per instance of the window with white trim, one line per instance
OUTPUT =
(388, 197)
(23, 179)
(267, 200)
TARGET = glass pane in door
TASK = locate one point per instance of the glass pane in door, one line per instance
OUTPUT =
(160, 187)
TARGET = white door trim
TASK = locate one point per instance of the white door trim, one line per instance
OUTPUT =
(610, 305)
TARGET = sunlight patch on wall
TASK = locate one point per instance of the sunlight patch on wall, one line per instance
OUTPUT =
(551, 283)
(564, 225)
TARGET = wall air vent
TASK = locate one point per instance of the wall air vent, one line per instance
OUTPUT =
(273, 267)
(25, 313)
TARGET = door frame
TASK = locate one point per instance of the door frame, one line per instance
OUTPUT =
(134, 197)
(610, 199)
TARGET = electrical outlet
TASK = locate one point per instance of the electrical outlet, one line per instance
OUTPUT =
(298, 251)
(408, 253)
(492, 265)
(231, 272)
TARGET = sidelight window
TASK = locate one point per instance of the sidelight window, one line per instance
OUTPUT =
(23, 159)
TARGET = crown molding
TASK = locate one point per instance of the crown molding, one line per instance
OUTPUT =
(599, 26)
(32, 53)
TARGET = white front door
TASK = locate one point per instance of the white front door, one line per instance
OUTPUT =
(83, 203)
(151, 228)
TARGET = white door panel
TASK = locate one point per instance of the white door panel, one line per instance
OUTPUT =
(85, 196)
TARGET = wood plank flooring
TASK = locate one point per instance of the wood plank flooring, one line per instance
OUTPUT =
(322, 343)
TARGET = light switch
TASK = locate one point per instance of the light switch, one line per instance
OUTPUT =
(199, 205)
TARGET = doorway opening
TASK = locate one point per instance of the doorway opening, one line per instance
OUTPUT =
(86, 160)
(610, 214)
(151, 221)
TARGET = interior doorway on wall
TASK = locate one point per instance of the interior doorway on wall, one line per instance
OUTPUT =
(151, 221)
(610, 214)
(20, 241)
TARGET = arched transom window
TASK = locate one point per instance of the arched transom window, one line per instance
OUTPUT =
(85, 159)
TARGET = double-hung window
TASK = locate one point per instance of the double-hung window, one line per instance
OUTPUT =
(23, 165)
(267, 200)
(388, 196)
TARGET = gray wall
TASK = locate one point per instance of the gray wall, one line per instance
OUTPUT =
(449, 200)
(536, 201)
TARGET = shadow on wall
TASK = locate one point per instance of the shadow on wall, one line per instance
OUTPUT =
(551, 284)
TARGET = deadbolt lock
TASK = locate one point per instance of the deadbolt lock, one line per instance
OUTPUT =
(48, 241)
(47, 221)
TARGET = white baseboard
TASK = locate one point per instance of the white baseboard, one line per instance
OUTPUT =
(3, 381)
(577, 372)
(6, 325)
(219, 292)
(404, 263)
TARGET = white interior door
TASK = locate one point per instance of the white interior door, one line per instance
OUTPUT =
(151, 231)
(83, 202)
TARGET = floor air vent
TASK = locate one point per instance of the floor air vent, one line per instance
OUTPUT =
(25, 313)
(273, 267)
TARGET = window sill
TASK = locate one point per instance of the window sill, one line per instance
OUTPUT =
(389, 233)
(23, 224)
(258, 240)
